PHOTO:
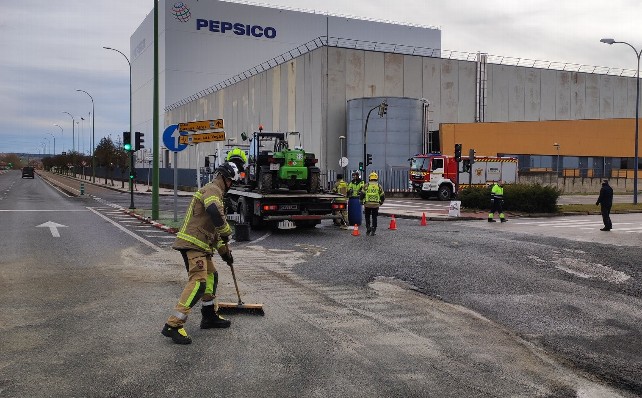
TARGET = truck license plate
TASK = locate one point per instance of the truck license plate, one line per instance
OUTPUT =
(289, 207)
(274, 166)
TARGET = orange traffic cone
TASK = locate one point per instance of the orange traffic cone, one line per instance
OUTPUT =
(393, 223)
(355, 231)
(423, 220)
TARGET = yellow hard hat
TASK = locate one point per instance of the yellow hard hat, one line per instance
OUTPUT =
(374, 176)
(238, 153)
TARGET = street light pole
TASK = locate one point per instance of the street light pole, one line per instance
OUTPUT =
(73, 135)
(383, 107)
(637, 114)
(93, 137)
(557, 146)
(131, 157)
(61, 130)
(54, 140)
(343, 169)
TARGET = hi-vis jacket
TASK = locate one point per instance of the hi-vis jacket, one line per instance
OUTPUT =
(497, 192)
(341, 187)
(373, 195)
(205, 222)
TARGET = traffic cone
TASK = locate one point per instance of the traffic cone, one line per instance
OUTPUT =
(355, 231)
(423, 220)
(393, 223)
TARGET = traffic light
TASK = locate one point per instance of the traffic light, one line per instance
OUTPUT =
(127, 140)
(361, 166)
(368, 159)
(383, 109)
(132, 174)
(471, 156)
(139, 141)
(458, 152)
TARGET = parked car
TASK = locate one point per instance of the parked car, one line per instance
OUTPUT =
(27, 172)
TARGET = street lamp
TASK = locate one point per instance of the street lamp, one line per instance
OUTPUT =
(343, 169)
(93, 138)
(557, 146)
(48, 143)
(54, 140)
(382, 110)
(131, 155)
(61, 129)
(73, 135)
(637, 113)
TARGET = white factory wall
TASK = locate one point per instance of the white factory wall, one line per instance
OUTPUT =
(292, 96)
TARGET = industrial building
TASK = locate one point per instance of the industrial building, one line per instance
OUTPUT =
(321, 75)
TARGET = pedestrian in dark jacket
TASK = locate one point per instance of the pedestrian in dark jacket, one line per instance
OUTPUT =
(606, 201)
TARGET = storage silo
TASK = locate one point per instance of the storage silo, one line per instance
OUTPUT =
(390, 139)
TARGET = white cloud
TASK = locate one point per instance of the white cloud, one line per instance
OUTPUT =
(50, 49)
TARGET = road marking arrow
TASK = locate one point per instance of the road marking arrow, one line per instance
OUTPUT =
(53, 227)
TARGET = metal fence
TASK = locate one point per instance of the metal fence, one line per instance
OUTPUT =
(341, 42)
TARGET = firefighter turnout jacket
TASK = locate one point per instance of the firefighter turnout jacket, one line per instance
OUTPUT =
(205, 222)
(341, 187)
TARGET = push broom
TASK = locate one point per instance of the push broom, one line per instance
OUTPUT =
(240, 306)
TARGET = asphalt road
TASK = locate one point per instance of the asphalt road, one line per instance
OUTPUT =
(454, 309)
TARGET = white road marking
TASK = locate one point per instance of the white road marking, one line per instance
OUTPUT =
(144, 241)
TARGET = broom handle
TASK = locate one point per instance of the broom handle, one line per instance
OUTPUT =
(238, 294)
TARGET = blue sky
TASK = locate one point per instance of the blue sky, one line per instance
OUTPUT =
(50, 49)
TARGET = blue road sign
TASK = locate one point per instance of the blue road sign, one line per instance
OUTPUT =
(170, 138)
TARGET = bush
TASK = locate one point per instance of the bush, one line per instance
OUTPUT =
(517, 197)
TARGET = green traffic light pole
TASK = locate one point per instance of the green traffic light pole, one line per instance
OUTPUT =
(131, 179)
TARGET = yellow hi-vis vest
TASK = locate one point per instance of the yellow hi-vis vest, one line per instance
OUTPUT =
(497, 192)
(373, 194)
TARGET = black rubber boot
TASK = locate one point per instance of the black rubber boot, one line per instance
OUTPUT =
(177, 334)
(212, 319)
(374, 230)
(491, 220)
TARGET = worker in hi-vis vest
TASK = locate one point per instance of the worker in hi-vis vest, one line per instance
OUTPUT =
(373, 197)
(497, 201)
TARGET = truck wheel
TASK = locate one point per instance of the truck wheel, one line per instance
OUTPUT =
(444, 192)
(247, 216)
(314, 182)
(265, 184)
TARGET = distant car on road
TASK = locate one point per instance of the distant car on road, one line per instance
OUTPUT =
(27, 172)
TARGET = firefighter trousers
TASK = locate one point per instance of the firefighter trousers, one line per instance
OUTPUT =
(201, 285)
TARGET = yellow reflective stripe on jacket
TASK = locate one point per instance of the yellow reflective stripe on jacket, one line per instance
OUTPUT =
(194, 240)
(189, 238)
(190, 210)
(224, 230)
(210, 199)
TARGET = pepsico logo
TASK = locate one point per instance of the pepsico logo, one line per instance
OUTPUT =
(181, 12)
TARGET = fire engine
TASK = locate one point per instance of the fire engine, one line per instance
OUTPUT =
(442, 175)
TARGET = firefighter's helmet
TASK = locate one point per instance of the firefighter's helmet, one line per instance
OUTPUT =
(374, 176)
(229, 170)
(237, 155)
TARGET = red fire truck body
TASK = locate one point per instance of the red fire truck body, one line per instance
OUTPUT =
(442, 176)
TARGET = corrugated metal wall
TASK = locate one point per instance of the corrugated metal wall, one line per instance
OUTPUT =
(306, 96)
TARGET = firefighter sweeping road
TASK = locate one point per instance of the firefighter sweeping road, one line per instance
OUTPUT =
(451, 309)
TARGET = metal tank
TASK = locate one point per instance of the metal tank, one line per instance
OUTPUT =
(391, 139)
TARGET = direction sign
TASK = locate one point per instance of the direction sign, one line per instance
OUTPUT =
(201, 125)
(171, 139)
(204, 137)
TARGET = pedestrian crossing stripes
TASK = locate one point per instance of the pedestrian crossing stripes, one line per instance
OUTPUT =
(579, 223)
